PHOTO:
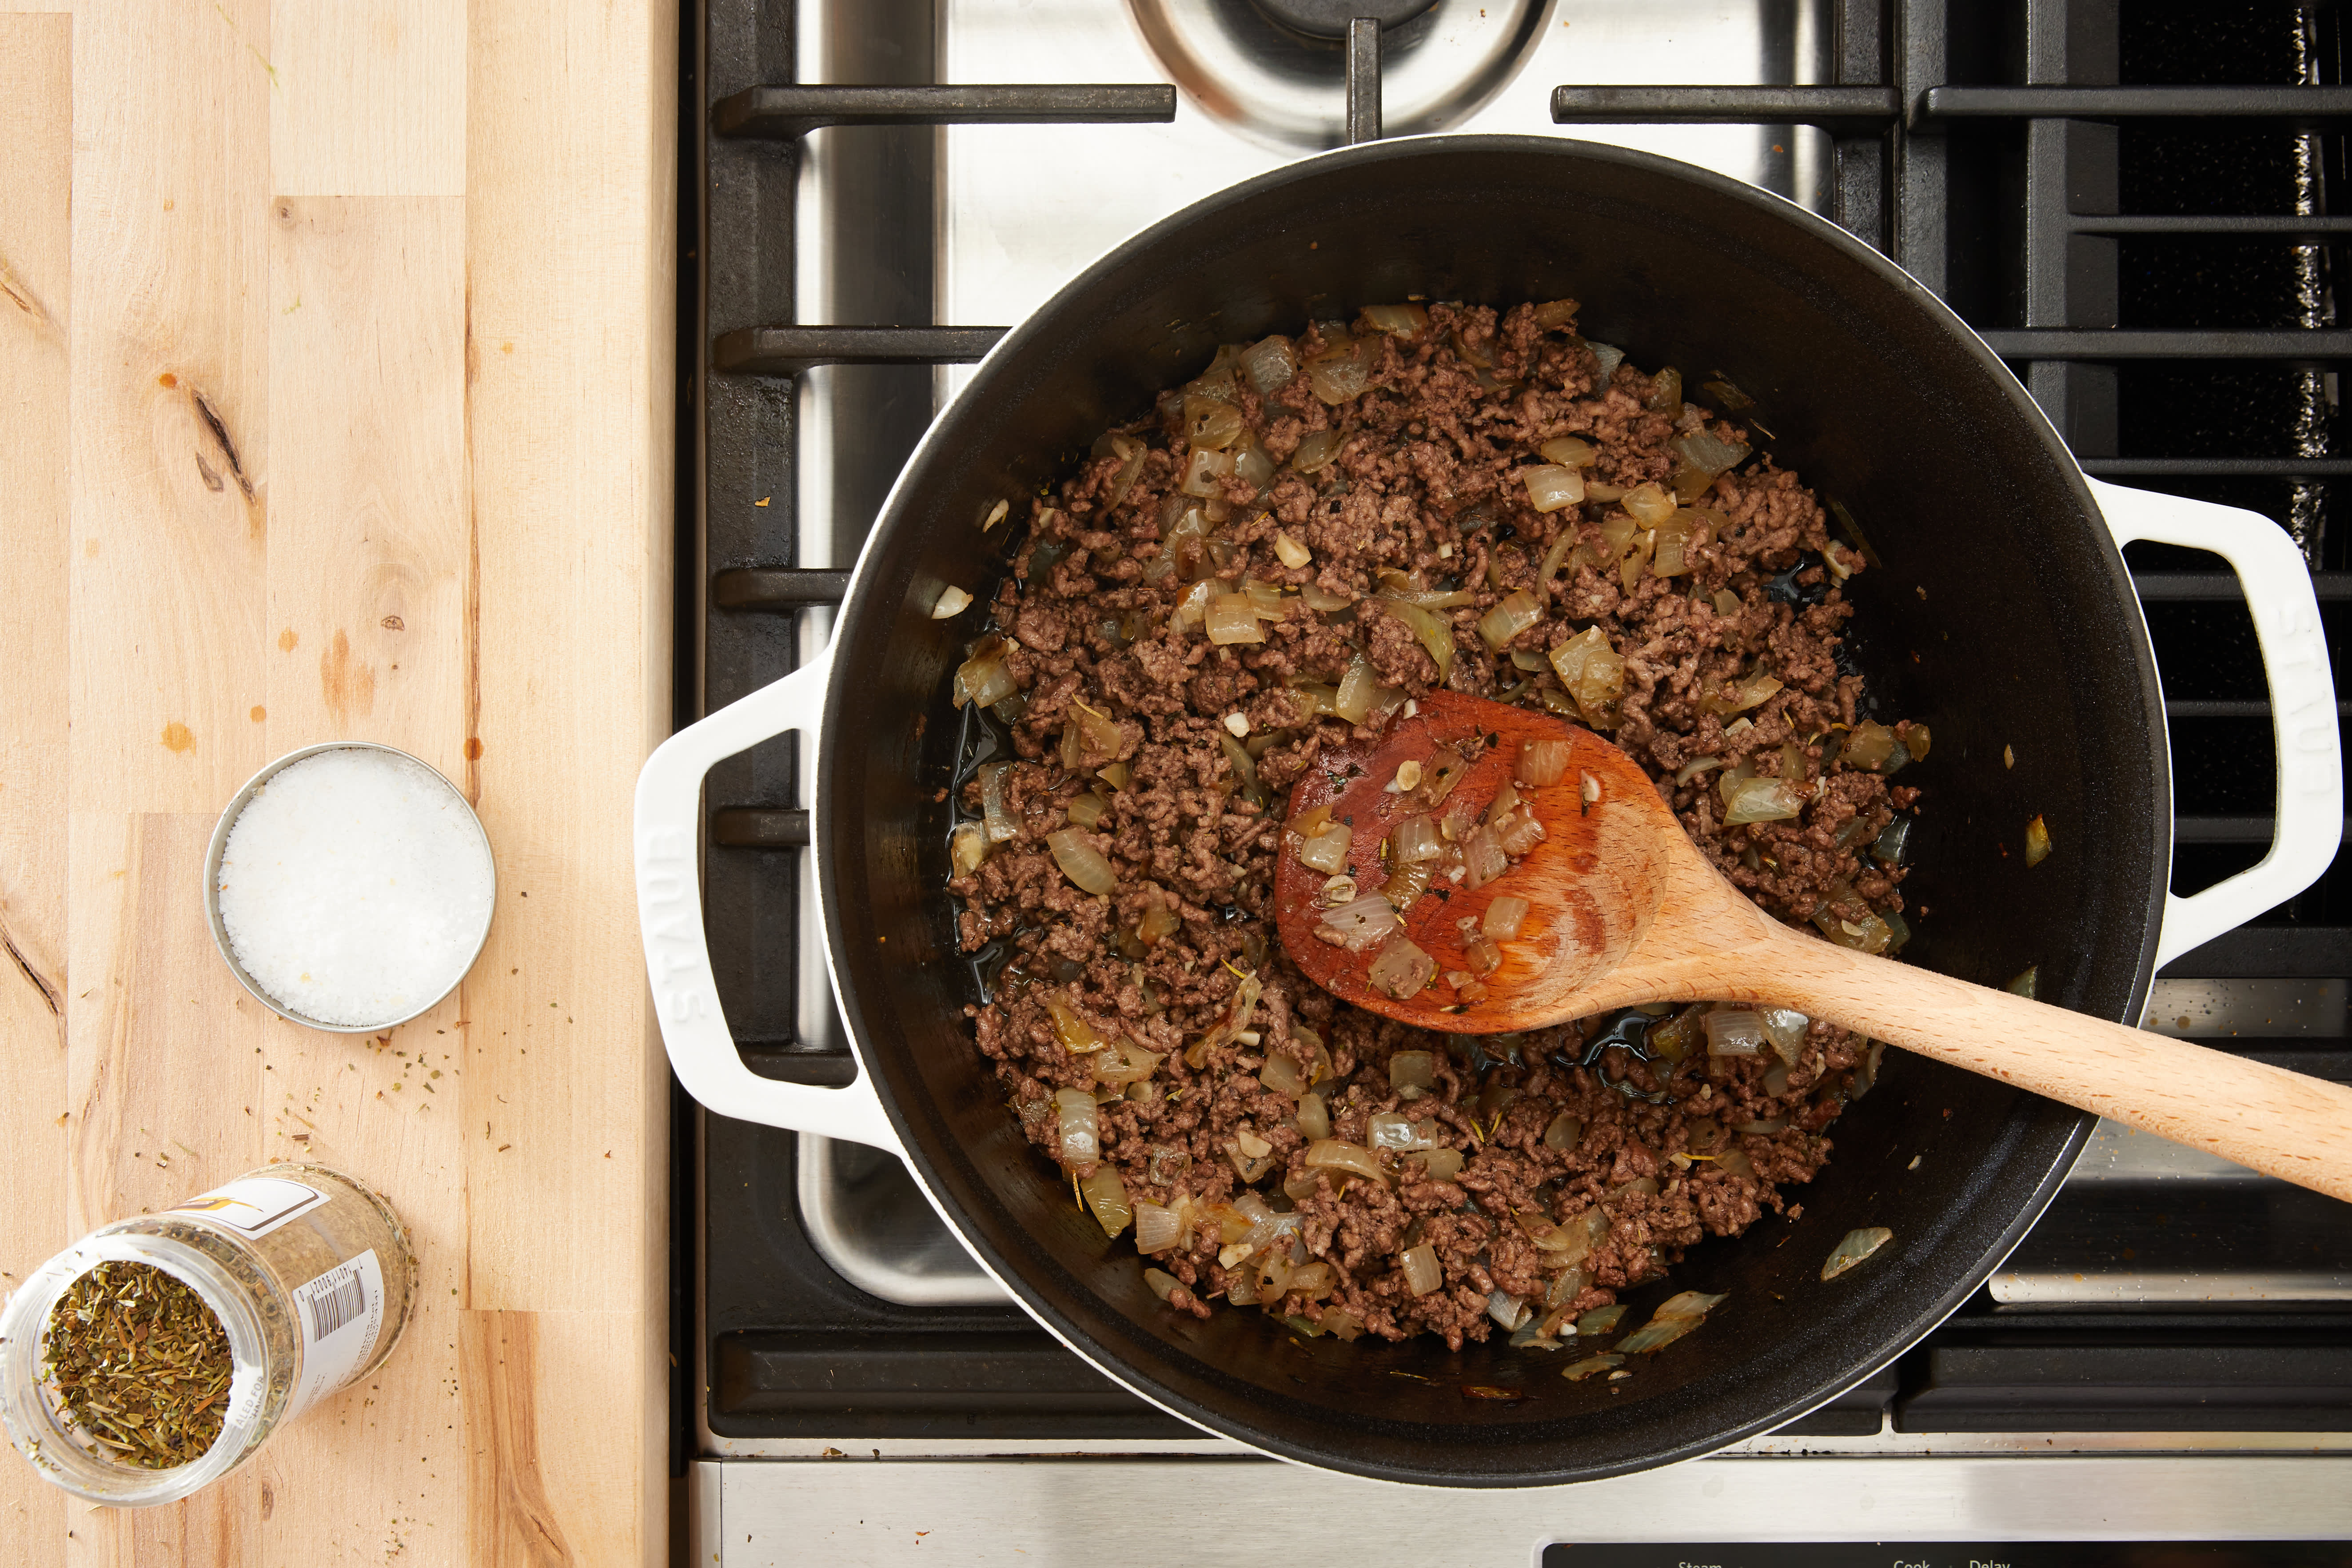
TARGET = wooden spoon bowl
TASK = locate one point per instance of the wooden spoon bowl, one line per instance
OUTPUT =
(1624, 908)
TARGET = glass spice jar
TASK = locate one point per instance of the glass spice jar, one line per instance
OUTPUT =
(310, 1274)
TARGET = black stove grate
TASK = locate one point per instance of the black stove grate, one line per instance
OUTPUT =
(2131, 203)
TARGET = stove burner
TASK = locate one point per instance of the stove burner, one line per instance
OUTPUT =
(1275, 70)
(1330, 18)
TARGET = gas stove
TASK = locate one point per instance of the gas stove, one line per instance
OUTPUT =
(873, 189)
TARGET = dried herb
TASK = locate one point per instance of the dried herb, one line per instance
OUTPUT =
(141, 1364)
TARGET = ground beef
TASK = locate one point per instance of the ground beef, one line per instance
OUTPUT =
(1560, 1167)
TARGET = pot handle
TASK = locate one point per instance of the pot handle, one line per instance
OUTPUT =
(669, 919)
(2310, 814)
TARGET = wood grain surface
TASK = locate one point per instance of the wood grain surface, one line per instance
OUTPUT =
(335, 348)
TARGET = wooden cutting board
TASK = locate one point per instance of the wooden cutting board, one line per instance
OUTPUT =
(335, 352)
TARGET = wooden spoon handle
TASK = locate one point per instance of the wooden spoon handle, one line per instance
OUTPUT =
(2282, 1123)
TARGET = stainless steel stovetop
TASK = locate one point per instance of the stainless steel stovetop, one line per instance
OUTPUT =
(864, 223)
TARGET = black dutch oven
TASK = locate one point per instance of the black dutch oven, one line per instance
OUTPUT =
(2001, 613)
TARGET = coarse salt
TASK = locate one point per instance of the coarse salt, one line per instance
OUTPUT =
(355, 886)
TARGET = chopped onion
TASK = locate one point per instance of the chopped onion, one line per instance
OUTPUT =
(1710, 453)
(984, 679)
(1442, 1164)
(1869, 746)
(1081, 862)
(1106, 1195)
(952, 601)
(1570, 452)
(1317, 449)
(1313, 1281)
(2027, 982)
(1505, 917)
(1125, 1063)
(1269, 364)
(1435, 635)
(1412, 1070)
(1657, 1334)
(1734, 1032)
(995, 816)
(1415, 838)
(1283, 1075)
(1211, 424)
(1578, 1371)
(1868, 934)
(1193, 607)
(1244, 766)
(1762, 800)
(1356, 690)
(1422, 1274)
(1251, 464)
(1088, 809)
(1609, 356)
(1318, 597)
(1763, 1128)
(1551, 488)
(1163, 1284)
(1401, 969)
(1447, 767)
(1327, 851)
(2037, 842)
(1857, 1245)
(968, 845)
(1600, 1319)
(1362, 923)
(1402, 319)
(1076, 1034)
(1484, 958)
(1158, 924)
(1508, 1310)
(1204, 470)
(1326, 699)
(1332, 1155)
(1736, 1163)
(1542, 761)
(1483, 859)
(1233, 618)
(1130, 454)
(1695, 767)
(1672, 557)
(1290, 552)
(1649, 505)
(1592, 672)
(1340, 372)
(1314, 1117)
(1079, 1143)
(1519, 832)
(1785, 1027)
(1688, 1304)
(1518, 612)
(1408, 882)
(1564, 1131)
(1391, 1130)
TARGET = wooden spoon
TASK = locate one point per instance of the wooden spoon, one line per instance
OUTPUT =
(1624, 909)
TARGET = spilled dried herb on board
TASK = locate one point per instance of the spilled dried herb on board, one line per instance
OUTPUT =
(141, 1364)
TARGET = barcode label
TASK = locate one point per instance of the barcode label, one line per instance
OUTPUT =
(341, 1314)
(331, 1311)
